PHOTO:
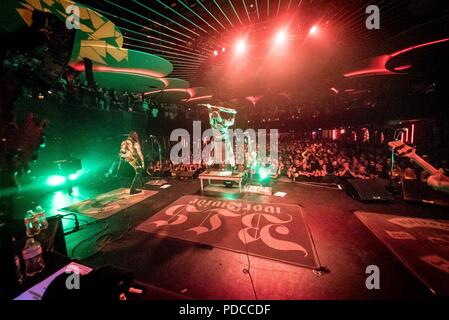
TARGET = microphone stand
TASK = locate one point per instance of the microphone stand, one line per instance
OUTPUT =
(395, 138)
(159, 151)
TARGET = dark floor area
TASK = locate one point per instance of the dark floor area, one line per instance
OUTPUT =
(344, 245)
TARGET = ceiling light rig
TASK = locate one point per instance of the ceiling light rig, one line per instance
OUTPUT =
(219, 51)
(190, 32)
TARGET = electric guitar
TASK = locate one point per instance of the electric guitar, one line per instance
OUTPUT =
(221, 109)
(437, 180)
(133, 159)
(131, 156)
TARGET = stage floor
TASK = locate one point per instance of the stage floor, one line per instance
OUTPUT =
(344, 245)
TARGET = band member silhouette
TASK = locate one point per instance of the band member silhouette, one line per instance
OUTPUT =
(221, 138)
(131, 152)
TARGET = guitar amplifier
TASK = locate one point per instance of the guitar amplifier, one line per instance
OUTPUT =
(417, 191)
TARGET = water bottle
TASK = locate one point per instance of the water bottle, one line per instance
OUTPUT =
(31, 223)
(32, 257)
(41, 217)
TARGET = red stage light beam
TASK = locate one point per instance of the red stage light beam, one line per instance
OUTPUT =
(281, 37)
(240, 47)
(313, 30)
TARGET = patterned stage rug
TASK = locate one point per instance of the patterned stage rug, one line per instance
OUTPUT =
(108, 204)
(273, 231)
(422, 245)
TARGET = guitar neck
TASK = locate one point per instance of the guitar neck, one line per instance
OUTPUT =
(424, 164)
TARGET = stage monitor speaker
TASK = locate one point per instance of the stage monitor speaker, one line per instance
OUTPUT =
(185, 174)
(417, 191)
(371, 190)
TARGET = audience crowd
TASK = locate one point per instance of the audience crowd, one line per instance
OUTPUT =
(301, 158)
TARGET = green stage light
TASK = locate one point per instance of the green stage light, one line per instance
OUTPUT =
(263, 173)
(76, 175)
(56, 180)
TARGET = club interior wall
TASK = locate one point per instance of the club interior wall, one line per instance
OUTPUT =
(91, 135)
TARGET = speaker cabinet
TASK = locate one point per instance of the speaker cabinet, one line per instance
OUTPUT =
(417, 191)
(371, 190)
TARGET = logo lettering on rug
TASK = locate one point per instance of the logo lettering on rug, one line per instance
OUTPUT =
(260, 222)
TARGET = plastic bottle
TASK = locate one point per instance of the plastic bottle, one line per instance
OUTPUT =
(32, 257)
(41, 217)
(31, 223)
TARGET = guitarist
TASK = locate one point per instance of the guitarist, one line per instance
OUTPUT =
(222, 140)
(439, 181)
(131, 152)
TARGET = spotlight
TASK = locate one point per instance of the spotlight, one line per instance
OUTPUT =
(55, 180)
(263, 173)
(215, 53)
(240, 47)
(223, 50)
(313, 30)
(280, 38)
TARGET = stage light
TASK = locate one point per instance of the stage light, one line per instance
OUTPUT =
(215, 53)
(313, 30)
(76, 175)
(281, 37)
(56, 180)
(240, 47)
(264, 173)
(223, 50)
(75, 192)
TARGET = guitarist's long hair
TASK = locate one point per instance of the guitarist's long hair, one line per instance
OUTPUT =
(133, 136)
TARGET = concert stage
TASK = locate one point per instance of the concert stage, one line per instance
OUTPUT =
(215, 268)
